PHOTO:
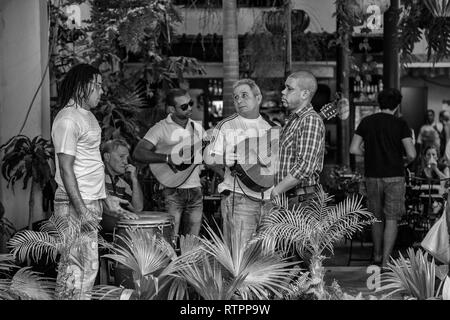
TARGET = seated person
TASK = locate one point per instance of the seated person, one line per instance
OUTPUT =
(431, 170)
(118, 171)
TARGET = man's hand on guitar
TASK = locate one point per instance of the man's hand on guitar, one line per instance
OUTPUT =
(230, 158)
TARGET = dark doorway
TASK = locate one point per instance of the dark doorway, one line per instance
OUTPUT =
(414, 106)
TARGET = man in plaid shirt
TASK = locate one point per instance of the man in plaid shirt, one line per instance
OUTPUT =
(302, 141)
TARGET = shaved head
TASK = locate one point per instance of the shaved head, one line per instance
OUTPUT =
(306, 81)
(299, 90)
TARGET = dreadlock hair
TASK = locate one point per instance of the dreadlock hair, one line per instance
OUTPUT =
(75, 84)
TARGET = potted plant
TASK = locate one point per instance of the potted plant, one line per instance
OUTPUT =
(313, 228)
(28, 160)
(414, 277)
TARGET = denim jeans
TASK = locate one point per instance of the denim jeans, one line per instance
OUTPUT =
(244, 213)
(78, 265)
(186, 207)
(386, 197)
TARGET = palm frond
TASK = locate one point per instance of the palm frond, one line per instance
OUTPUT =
(55, 226)
(7, 262)
(210, 282)
(106, 292)
(140, 251)
(266, 274)
(313, 226)
(189, 242)
(30, 285)
(261, 273)
(298, 288)
(34, 244)
(413, 276)
(132, 99)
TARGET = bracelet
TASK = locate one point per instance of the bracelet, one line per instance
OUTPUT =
(167, 158)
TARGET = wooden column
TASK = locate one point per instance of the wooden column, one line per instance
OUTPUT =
(230, 54)
(391, 60)
(342, 86)
(288, 31)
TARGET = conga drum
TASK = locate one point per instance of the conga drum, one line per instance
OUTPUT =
(155, 223)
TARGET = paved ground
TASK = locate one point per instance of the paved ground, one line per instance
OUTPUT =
(352, 275)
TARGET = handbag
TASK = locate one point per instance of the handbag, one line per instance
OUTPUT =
(436, 241)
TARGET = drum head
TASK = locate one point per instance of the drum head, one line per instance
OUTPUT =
(147, 218)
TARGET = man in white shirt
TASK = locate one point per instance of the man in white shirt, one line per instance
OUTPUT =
(240, 205)
(80, 176)
(160, 145)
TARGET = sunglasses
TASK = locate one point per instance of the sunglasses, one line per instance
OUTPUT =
(185, 106)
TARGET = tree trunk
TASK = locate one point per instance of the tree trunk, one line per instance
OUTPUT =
(31, 205)
(317, 274)
(288, 35)
(230, 54)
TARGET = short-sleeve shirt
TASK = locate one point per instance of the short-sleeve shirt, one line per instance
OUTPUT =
(227, 134)
(167, 134)
(116, 186)
(76, 132)
(382, 134)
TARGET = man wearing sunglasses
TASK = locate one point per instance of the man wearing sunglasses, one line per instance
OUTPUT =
(160, 145)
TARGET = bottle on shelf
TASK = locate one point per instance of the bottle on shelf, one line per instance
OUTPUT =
(219, 88)
(380, 85)
(216, 88)
(210, 87)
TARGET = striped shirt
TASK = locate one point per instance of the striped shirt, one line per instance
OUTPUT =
(226, 136)
(117, 186)
(302, 147)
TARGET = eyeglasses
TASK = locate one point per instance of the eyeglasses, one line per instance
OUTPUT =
(185, 106)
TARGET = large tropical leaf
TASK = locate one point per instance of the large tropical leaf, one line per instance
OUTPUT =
(259, 272)
(211, 281)
(30, 285)
(25, 159)
(140, 251)
(413, 276)
(7, 262)
(34, 244)
(58, 235)
(106, 292)
(313, 226)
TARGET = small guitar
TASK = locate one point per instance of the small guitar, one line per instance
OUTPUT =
(256, 167)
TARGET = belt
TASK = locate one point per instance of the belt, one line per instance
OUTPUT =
(301, 191)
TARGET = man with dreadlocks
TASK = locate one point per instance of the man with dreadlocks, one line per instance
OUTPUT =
(80, 176)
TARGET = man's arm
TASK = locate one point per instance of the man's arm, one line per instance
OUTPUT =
(409, 149)
(70, 182)
(137, 197)
(357, 145)
(145, 153)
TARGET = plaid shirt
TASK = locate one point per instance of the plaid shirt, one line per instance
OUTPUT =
(302, 147)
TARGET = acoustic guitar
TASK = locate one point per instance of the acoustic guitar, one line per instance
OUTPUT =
(258, 176)
(256, 167)
(173, 176)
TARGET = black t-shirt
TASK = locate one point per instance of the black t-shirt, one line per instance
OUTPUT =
(382, 134)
